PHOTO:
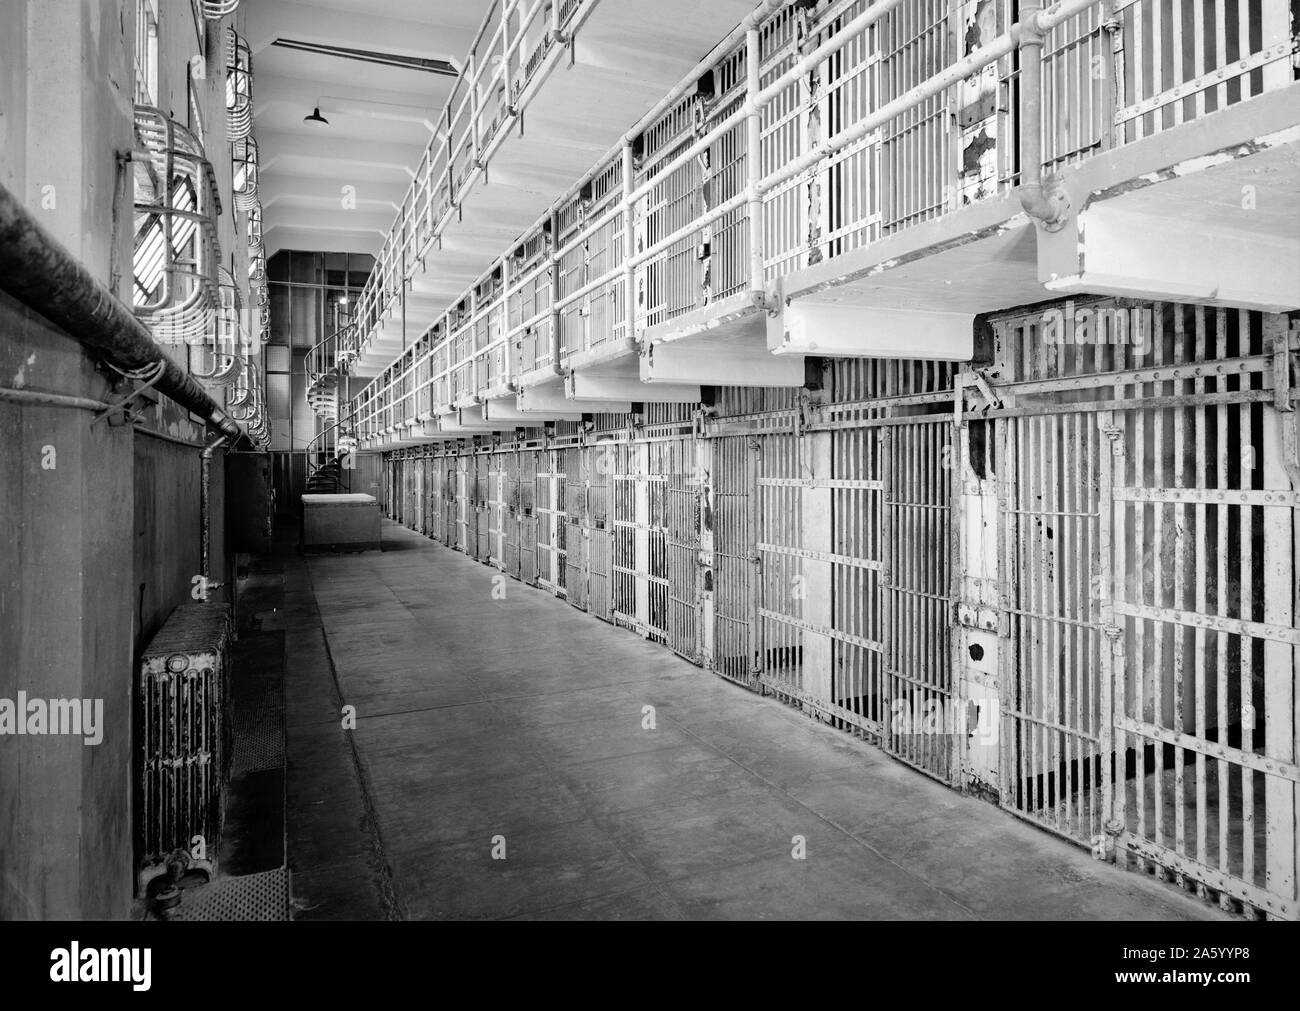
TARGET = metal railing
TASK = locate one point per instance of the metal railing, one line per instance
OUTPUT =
(850, 111)
(239, 86)
(516, 44)
(176, 253)
(219, 361)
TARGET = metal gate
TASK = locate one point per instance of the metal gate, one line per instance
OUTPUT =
(681, 544)
(484, 543)
(732, 520)
(456, 502)
(550, 520)
(1204, 623)
(918, 550)
(527, 515)
(785, 486)
(434, 506)
(1052, 489)
(576, 538)
(630, 545)
(1147, 556)
(497, 509)
(599, 466)
(510, 515)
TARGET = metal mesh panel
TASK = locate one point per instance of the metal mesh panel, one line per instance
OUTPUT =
(263, 896)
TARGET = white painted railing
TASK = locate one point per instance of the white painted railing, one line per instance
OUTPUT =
(865, 123)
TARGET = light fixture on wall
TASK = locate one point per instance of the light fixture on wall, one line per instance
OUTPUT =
(316, 117)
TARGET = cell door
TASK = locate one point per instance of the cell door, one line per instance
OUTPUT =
(680, 526)
(461, 503)
(510, 511)
(793, 647)
(415, 518)
(735, 616)
(527, 514)
(1053, 475)
(599, 466)
(433, 505)
(576, 519)
(629, 602)
(550, 521)
(483, 506)
(918, 552)
(496, 510)
(1205, 642)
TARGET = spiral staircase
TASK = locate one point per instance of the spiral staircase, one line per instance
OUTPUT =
(328, 454)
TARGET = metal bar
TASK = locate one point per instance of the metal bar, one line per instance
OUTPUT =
(37, 271)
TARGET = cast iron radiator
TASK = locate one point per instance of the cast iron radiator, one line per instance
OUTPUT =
(183, 738)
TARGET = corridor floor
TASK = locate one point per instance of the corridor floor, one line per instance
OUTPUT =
(500, 766)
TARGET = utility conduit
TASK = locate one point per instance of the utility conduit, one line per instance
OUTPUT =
(39, 272)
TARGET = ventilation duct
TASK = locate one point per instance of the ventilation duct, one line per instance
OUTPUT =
(174, 288)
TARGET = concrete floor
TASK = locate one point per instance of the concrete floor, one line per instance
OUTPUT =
(521, 718)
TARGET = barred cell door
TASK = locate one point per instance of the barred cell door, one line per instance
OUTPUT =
(434, 506)
(497, 509)
(483, 506)
(861, 461)
(527, 514)
(735, 618)
(416, 517)
(790, 504)
(510, 511)
(1205, 644)
(576, 518)
(652, 487)
(917, 553)
(1053, 477)
(459, 503)
(600, 465)
(550, 520)
(681, 532)
(630, 546)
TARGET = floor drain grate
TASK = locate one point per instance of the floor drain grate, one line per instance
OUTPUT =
(262, 896)
(259, 735)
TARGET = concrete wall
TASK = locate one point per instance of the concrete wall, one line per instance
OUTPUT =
(102, 520)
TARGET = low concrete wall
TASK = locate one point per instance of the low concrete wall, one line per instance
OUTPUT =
(340, 523)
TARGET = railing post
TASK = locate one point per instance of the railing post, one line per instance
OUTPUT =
(472, 78)
(555, 290)
(507, 8)
(629, 245)
(753, 164)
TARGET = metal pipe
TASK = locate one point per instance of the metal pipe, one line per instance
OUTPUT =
(52, 399)
(1045, 201)
(810, 61)
(39, 272)
(205, 505)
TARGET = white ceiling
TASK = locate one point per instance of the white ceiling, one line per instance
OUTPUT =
(379, 117)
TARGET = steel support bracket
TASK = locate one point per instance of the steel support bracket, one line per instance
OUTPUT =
(991, 400)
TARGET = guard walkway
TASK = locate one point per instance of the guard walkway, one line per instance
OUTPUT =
(517, 725)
